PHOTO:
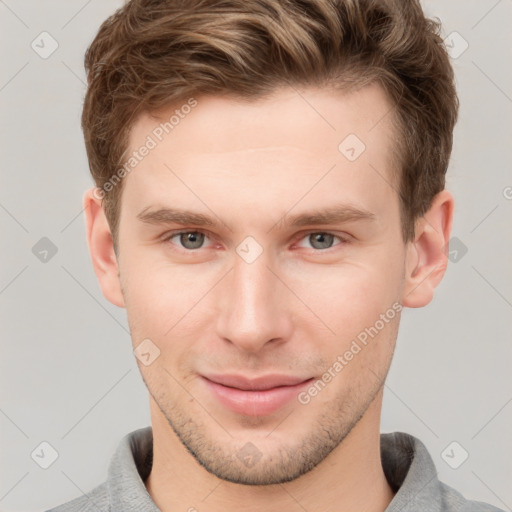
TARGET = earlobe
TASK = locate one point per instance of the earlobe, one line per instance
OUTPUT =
(101, 248)
(426, 258)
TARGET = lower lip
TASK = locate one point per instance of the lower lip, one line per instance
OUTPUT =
(255, 403)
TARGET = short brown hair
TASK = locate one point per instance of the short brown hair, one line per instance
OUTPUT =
(154, 53)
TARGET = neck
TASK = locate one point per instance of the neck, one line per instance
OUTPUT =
(350, 478)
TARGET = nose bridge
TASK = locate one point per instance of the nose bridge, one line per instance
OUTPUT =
(252, 310)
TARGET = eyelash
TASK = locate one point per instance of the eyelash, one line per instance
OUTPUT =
(342, 240)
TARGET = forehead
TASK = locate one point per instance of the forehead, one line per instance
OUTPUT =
(308, 119)
(269, 144)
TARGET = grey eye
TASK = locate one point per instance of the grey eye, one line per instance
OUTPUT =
(321, 240)
(192, 240)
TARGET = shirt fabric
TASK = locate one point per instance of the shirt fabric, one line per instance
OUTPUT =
(408, 467)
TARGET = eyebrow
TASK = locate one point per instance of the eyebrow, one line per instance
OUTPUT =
(336, 215)
(177, 216)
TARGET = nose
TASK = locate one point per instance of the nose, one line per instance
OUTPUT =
(253, 309)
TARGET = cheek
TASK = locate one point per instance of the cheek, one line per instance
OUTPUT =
(350, 296)
(363, 310)
(164, 300)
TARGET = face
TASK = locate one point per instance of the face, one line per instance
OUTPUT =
(267, 266)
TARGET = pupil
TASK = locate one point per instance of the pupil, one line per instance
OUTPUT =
(192, 240)
(321, 240)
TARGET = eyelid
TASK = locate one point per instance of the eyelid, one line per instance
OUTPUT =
(344, 239)
(171, 234)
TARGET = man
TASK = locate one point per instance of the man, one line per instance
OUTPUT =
(269, 197)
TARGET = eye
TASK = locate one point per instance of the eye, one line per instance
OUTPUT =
(321, 240)
(189, 240)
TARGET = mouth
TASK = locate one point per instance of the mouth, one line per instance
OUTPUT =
(254, 397)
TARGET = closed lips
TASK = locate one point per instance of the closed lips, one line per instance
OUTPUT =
(257, 384)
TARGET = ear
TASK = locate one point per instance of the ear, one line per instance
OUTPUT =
(101, 248)
(426, 258)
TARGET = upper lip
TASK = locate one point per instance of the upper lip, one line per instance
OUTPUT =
(257, 384)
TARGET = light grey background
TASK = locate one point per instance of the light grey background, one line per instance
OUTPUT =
(68, 376)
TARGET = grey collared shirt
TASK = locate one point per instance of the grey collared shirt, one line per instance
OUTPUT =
(407, 465)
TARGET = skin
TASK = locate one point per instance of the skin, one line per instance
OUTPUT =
(251, 167)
